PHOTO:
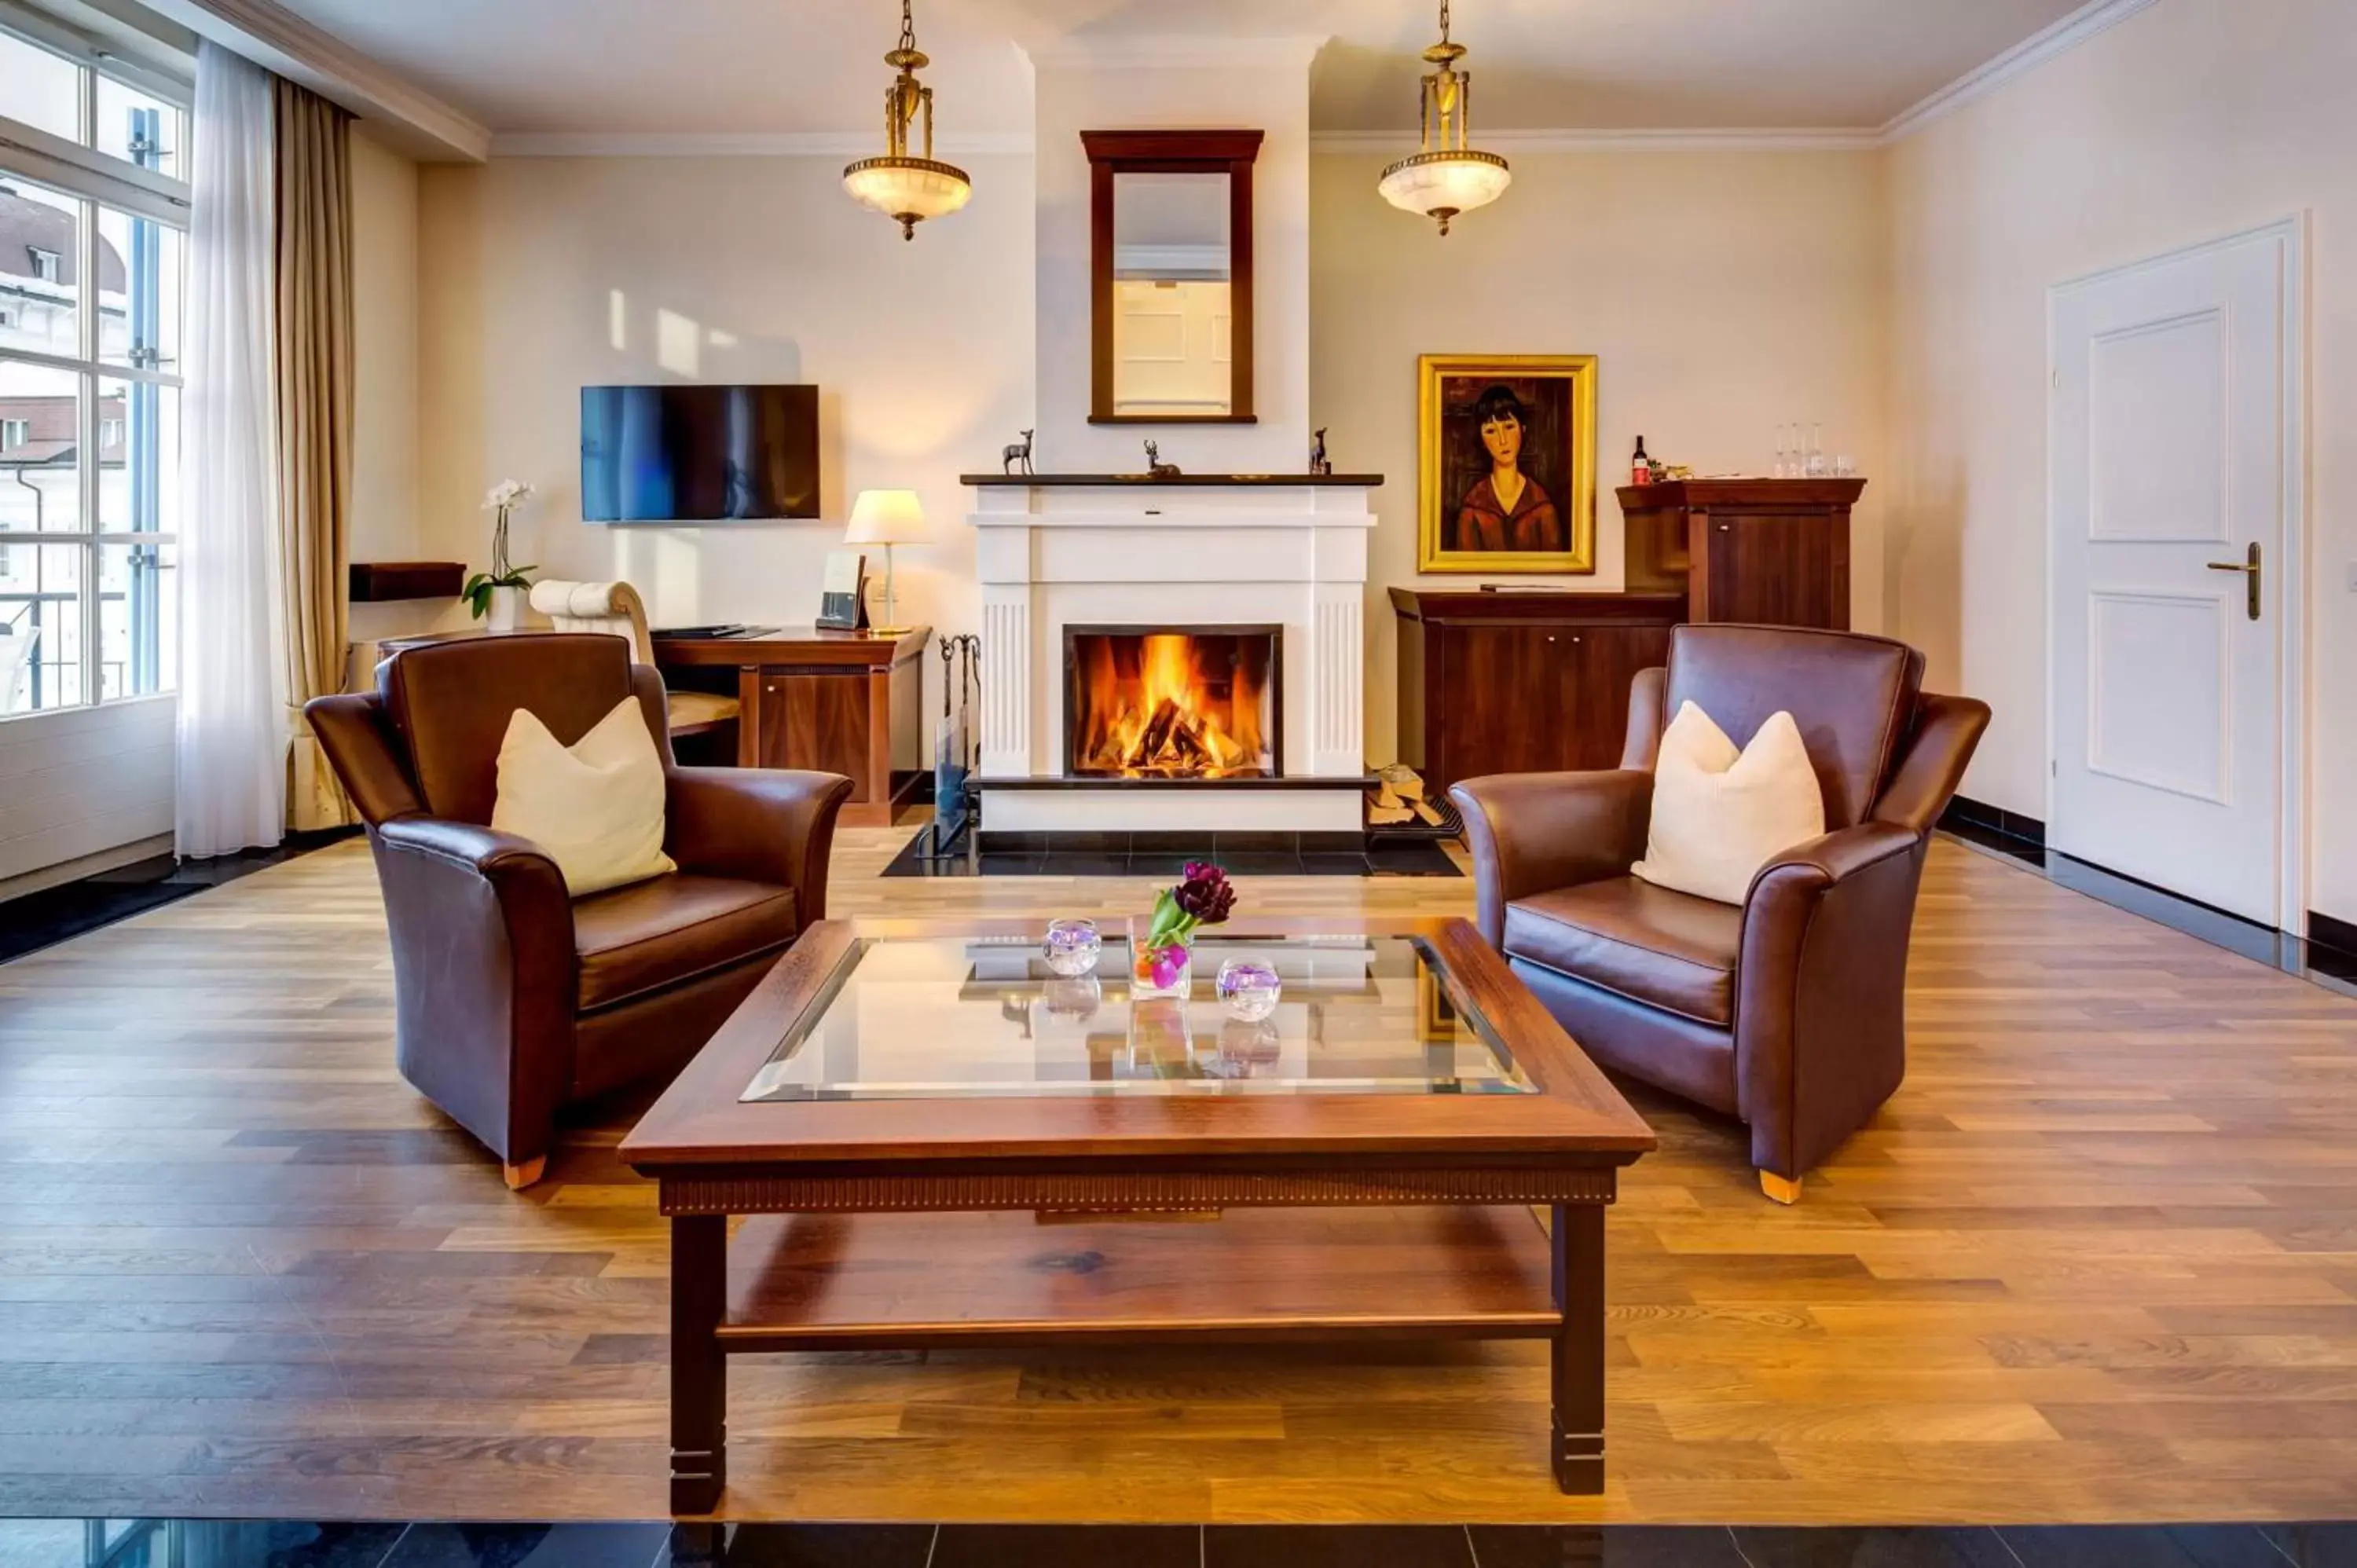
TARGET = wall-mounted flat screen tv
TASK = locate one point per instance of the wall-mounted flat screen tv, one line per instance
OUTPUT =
(688, 454)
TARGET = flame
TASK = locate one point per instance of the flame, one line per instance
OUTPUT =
(1194, 706)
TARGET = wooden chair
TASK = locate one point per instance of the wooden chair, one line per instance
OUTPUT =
(617, 609)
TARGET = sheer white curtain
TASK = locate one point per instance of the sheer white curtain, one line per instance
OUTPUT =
(232, 757)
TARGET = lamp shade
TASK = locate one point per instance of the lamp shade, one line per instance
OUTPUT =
(887, 517)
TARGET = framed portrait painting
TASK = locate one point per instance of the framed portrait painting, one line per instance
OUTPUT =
(1508, 462)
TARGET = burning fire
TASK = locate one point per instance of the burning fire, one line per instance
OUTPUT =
(1190, 706)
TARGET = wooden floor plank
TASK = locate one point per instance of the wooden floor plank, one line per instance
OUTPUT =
(2098, 1259)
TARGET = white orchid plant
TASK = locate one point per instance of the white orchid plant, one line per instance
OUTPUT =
(503, 498)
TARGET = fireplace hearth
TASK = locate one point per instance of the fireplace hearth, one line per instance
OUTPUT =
(1173, 703)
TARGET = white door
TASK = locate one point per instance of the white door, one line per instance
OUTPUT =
(2171, 511)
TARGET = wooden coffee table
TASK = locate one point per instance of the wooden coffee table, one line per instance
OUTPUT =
(969, 1151)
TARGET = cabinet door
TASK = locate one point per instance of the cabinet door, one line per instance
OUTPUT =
(1776, 569)
(817, 721)
(1609, 658)
(1500, 701)
(1539, 699)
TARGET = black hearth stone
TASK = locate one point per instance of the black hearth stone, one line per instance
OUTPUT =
(1161, 856)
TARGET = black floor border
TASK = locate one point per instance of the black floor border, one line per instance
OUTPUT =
(2310, 960)
(52, 914)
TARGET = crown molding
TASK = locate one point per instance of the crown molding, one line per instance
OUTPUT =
(1766, 139)
(2096, 18)
(1180, 52)
(741, 144)
(278, 40)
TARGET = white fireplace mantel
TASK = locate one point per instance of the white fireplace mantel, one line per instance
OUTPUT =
(1053, 554)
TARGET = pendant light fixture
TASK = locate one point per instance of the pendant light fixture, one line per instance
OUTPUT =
(1448, 175)
(907, 188)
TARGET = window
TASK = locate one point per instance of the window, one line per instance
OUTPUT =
(91, 301)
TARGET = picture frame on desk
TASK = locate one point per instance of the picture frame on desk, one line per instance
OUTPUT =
(843, 592)
(1506, 465)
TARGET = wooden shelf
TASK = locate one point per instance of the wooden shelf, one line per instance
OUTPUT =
(843, 1281)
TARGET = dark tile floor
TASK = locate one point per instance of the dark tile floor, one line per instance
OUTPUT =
(188, 1544)
(1122, 854)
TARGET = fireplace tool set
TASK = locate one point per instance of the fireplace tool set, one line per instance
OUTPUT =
(956, 752)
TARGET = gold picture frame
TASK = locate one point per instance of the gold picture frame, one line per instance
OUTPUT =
(1543, 519)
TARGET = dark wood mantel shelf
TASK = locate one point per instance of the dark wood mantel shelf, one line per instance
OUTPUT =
(1046, 481)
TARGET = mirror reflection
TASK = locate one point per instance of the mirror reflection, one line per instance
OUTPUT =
(1172, 312)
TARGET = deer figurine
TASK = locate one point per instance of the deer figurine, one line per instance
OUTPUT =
(1155, 468)
(1020, 452)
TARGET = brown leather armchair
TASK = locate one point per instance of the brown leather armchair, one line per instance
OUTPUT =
(511, 998)
(1787, 1012)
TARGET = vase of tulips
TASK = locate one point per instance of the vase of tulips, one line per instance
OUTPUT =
(1162, 960)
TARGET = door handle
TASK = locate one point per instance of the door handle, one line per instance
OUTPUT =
(2250, 569)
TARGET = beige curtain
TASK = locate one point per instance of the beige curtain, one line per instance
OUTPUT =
(315, 425)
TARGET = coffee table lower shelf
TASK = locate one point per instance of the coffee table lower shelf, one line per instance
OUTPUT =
(848, 1281)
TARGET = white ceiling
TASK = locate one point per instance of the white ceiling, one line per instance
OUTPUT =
(768, 67)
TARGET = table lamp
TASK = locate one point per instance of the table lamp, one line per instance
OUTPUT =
(887, 518)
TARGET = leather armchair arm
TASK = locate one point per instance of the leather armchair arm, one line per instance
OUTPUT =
(351, 728)
(484, 986)
(1823, 974)
(762, 824)
(1533, 831)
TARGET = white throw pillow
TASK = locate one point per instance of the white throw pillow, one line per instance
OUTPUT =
(597, 807)
(1718, 814)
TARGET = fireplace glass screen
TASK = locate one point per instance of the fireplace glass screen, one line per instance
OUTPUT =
(1168, 704)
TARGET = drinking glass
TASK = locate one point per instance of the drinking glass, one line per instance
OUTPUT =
(1250, 988)
(1071, 948)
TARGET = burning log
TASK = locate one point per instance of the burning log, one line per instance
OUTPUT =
(1158, 731)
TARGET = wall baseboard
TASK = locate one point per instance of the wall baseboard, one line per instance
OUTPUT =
(1965, 813)
(74, 870)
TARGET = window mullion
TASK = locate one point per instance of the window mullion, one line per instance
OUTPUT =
(87, 466)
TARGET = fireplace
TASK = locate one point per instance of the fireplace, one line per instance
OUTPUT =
(1173, 703)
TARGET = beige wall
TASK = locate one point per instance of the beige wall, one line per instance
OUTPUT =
(539, 276)
(1723, 293)
(2192, 121)
(1270, 94)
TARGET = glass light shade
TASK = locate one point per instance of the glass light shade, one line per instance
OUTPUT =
(1442, 185)
(909, 189)
(887, 517)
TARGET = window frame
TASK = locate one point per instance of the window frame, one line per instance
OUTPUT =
(94, 181)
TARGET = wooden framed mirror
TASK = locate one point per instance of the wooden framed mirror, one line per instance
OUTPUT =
(1170, 276)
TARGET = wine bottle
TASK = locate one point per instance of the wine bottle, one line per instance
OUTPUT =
(1641, 468)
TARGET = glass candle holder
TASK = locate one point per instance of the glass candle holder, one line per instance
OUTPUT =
(1070, 948)
(1250, 988)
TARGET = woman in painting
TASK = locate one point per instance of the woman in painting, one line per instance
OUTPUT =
(1506, 510)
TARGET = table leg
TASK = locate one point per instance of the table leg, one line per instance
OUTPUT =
(1577, 1441)
(699, 1371)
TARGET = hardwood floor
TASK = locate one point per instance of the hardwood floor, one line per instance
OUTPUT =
(2097, 1262)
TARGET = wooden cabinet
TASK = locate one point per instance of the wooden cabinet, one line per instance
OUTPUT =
(1764, 552)
(839, 701)
(1522, 680)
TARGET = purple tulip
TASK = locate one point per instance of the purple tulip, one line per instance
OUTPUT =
(1205, 894)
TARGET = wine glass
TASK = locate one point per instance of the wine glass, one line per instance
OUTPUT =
(1779, 452)
(1816, 463)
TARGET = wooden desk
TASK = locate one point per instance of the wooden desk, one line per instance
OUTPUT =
(841, 701)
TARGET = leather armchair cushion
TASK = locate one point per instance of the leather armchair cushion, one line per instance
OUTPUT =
(653, 934)
(1667, 949)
